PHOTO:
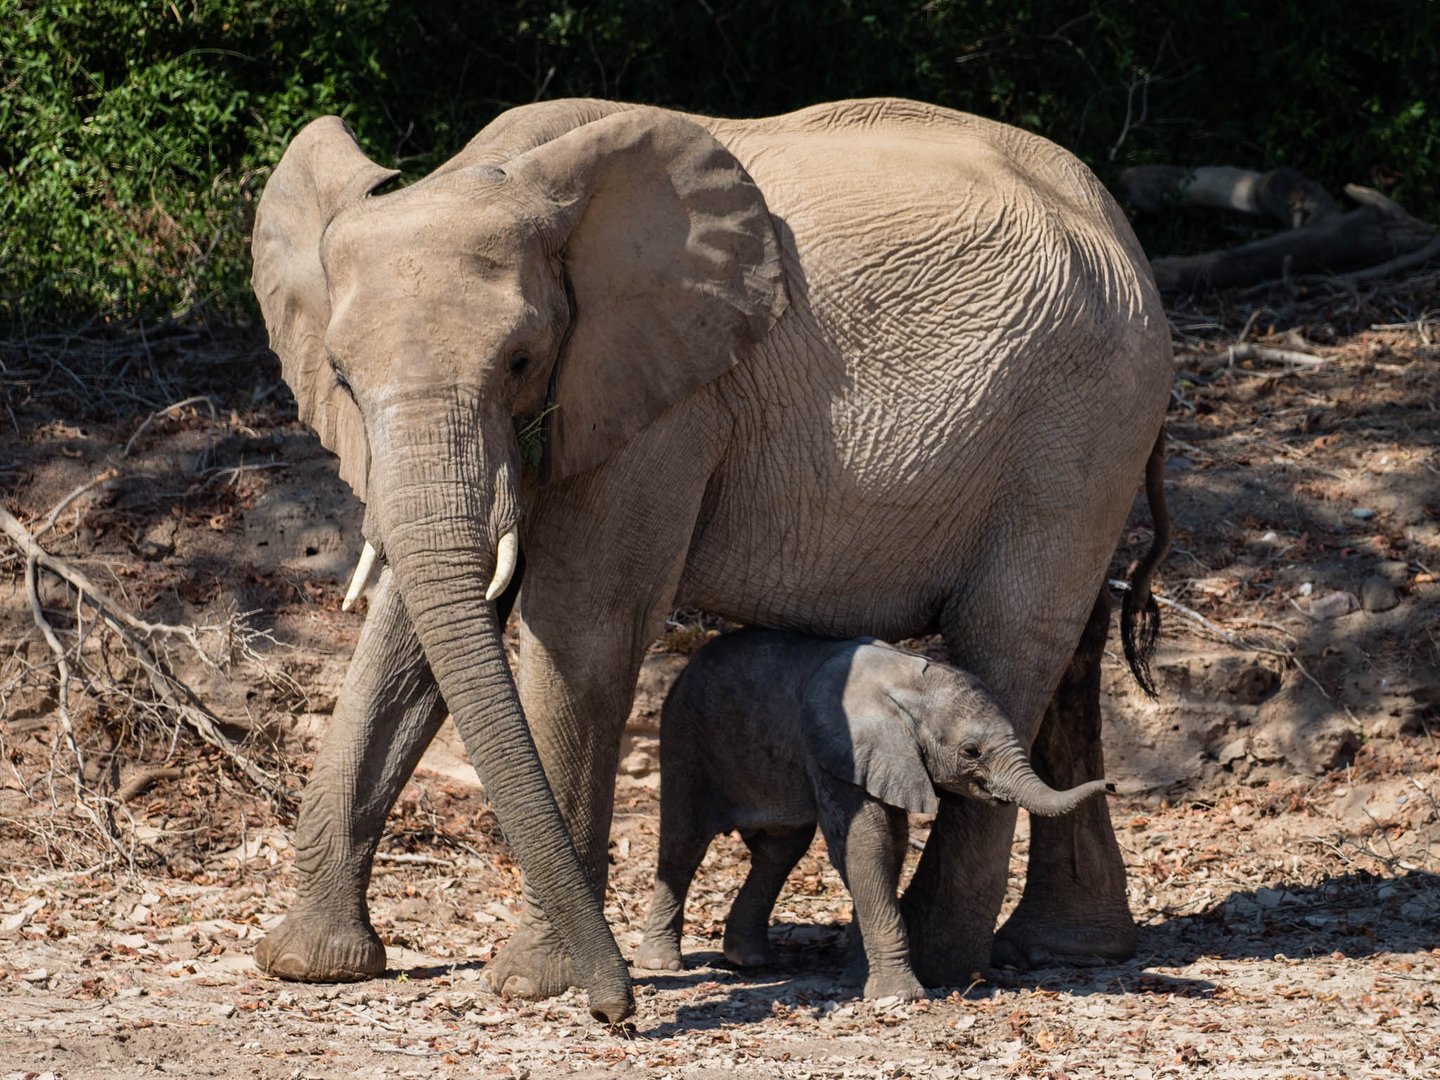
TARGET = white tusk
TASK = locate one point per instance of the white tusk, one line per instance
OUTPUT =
(506, 555)
(364, 570)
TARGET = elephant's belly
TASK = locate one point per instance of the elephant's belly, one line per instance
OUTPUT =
(837, 574)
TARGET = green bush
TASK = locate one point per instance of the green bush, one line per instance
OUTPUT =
(134, 134)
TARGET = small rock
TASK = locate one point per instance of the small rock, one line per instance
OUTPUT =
(131, 992)
(1233, 750)
(226, 1010)
(1362, 513)
(1331, 606)
(1269, 898)
(38, 976)
(1377, 594)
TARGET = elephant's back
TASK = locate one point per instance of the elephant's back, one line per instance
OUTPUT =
(899, 191)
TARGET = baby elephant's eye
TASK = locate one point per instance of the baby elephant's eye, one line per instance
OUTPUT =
(519, 363)
(971, 750)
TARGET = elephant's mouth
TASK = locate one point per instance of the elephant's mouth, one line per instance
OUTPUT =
(972, 789)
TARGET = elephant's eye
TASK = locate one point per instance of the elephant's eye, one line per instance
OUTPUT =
(341, 378)
(971, 750)
(519, 363)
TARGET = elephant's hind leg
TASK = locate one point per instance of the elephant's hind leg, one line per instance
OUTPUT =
(388, 711)
(1015, 627)
(1074, 909)
(773, 854)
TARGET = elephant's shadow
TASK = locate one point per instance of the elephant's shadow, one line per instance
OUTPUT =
(1352, 915)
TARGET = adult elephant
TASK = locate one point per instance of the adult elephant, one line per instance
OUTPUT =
(869, 368)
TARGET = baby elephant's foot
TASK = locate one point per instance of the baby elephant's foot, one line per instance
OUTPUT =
(896, 984)
(659, 954)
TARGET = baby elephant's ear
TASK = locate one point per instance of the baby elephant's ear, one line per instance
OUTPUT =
(857, 732)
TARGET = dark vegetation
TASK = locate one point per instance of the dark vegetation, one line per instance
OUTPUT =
(135, 134)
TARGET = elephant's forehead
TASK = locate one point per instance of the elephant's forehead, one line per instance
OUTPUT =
(427, 225)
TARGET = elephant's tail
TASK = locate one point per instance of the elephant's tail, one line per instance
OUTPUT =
(1139, 613)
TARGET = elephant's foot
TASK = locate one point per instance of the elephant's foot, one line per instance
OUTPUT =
(894, 984)
(659, 952)
(1031, 939)
(532, 965)
(948, 955)
(310, 946)
(748, 947)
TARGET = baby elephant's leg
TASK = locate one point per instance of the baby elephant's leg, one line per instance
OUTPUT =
(773, 854)
(866, 840)
(681, 851)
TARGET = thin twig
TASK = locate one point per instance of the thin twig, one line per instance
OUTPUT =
(168, 410)
(102, 822)
(54, 516)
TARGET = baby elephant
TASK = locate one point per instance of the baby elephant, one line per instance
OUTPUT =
(766, 732)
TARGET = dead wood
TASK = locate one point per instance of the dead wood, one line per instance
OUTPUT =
(1363, 237)
(1282, 194)
(138, 637)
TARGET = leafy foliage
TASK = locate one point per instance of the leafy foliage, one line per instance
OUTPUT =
(134, 134)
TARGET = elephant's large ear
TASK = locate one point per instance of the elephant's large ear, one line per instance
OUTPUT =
(673, 264)
(858, 731)
(321, 172)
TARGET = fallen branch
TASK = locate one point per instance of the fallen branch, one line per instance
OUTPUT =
(1411, 261)
(137, 635)
(1376, 239)
(1359, 238)
(1270, 354)
(412, 859)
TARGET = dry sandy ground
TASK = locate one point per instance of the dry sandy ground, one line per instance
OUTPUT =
(1282, 937)
(1278, 808)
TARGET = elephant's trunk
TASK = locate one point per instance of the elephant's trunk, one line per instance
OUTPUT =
(1012, 779)
(446, 496)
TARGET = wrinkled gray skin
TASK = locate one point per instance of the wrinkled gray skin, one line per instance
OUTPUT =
(869, 368)
(767, 732)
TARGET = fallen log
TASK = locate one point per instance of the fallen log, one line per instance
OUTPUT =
(1358, 238)
(1282, 194)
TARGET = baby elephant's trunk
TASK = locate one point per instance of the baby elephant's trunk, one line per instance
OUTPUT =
(1015, 781)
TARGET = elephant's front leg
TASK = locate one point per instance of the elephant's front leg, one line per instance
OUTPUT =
(866, 841)
(577, 694)
(388, 711)
(604, 555)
